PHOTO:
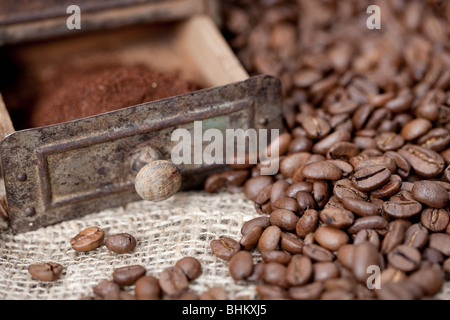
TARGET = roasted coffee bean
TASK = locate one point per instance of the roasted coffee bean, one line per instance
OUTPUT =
(321, 193)
(291, 243)
(47, 271)
(436, 139)
(367, 235)
(305, 201)
(300, 144)
(257, 274)
(324, 144)
(336, 217)
(425, 162)
(263, 222)
(310, 291)
(279, 145)
(375, 160)
(269, 239)
(395, 235)
(299, 270)
(214, 183)
(315, 127)
(275, 274)
(278, 190)
(225, 247)
(415, 128)
(215, 293)
(173, 281)
(271, 292)
(416, 236)
(300, 186)
(190, 266)
(429, 279)
(369, 222)
(402, 209)
(250, 239)
(318, 253)
(389, 141)
(346, 168)
(403, 166)
(360, 207)
(286, 204)
(321, 170)
(241, 265)
(435, 220)
(345, 255)
(292, 163)
(404, 258)
(147, 288)
(331, 238)
(389, 189)
(284, 219)
(430, 193)
(254, 185)
(365, 255)
(88, 239)
(262, 200)
(370, 178)
(342, 150)
(325, 270)
(446, 266)
(345, 189)
(276, 256)
(440, 242)
(120, 243)
(307, 223)
(128, 275)
(432, 255)
(107, 289)
(393, 275)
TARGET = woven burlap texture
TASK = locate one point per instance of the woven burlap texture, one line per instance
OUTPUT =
(165, 232)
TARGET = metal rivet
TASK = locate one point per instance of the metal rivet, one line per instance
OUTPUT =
(31, 211)
(22, 176)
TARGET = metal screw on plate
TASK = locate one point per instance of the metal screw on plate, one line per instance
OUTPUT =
(156, 179)
(22, 177)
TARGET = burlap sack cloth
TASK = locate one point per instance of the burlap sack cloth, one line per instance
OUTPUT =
(165, 232)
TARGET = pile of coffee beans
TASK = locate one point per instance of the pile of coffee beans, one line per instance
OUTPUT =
(360, 206)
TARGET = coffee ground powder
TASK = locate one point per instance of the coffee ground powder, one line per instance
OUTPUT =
(72, 93)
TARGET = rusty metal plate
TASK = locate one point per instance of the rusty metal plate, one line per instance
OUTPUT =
(83, 166)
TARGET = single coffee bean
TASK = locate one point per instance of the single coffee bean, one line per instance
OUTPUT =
(425, 162)
(278, 190)
(215, 182)
(284, 219)
(331, 238)
(429, 279)
(263, 222)
(432, 255)
(403, 166)
(292, 163)
(315, 127)
(389, 141)
(173, 281)
(436, 139)
(321, 192)
(346, 284)
(318, 253)
(440, 242)
(402, 209)
(435, 220)
(88, 239)
(393, 275)
(325, 270)
(190, 266)
(336, 217)
(120, 243)
(321, 170)
(307, 223)
(271, 292)
(310, 291)
(225, 247)
(269, 239)
(250, 239)
(324, 144)
(415, 128)
(147, 288)
(275, 274)
(300, 144)
(416, 236)
(375, 160)
(257, 274)
(361, 207)
(404, 258)
(345, 189)
(300, 186)
(287, 204)
(430, 193)
(47, 271)
(291, 243)
(128, 275)
(215, 293)
(395, 235)
(367, 235)
(299, 270)
(241, 265)
(279, 145)
(345, 255)
(262, 200)
(342, 150)
(365, 255)
(369, 222)
(370, 178)
(107, 289)
(346, 168)
(305, 201)
(253, 185)
(276, 256)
